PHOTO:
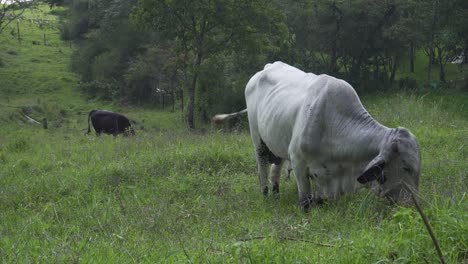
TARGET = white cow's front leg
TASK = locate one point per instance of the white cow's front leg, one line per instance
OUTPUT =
(306, 198)
(275, 176)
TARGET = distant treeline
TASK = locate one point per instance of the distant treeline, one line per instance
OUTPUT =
(200, 54)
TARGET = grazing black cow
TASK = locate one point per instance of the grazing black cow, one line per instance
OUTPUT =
(110, 123)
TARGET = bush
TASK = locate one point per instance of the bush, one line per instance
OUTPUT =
(465, 83)
(102, 89)
(151, 75)
(407, 83)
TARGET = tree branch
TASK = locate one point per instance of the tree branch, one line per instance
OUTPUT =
(426, 222)
(6, 8)
(182, 21)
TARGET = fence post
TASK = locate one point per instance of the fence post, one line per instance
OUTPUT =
(44, 123)
(18, 30)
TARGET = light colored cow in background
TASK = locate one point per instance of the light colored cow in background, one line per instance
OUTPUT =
(318, 123)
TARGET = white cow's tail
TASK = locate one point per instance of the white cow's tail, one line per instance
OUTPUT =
(218, 119)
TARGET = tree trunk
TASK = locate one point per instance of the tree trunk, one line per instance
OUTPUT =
(393, 68)
(191, 103)
(182, 100)
(333, 58)
(18, 29)
(334, 49)
(465, 52)
(173, 100)
(192, 89)
(431, 48)
(429, 71)
(412, 57)
(184, 86)
(441, 62)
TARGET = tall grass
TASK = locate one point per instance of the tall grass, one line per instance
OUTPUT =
(175, 197)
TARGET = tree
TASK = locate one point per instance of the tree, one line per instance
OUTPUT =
(460, 26)
(53, 3)
(153, 75)
(106, 44)
(327, 22)
(205, 28)
(10, 10)
(444, 30)
(406, 30)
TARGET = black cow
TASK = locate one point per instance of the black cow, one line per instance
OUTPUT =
(110, 123)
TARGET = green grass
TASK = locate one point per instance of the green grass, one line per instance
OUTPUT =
(36, 75)
(170, 196)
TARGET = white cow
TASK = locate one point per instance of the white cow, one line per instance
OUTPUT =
(319, 124)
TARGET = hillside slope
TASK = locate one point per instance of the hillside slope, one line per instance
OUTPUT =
(34, 71)
(36, 79)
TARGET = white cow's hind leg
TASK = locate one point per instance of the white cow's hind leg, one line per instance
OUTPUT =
(275, 176)
(262, 165)
(289, 170)
(264, 158)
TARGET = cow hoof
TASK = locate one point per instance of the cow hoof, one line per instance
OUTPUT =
(265, 192)
(275, 188)
(309, 202)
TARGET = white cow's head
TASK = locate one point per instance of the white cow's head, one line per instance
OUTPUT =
(398, 163)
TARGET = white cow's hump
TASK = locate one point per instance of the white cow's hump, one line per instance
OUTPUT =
(282, 72)
(282, 76)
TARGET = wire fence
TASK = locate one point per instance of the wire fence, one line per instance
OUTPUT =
(36, 31)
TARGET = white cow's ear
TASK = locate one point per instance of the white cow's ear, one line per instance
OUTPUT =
(374, 171)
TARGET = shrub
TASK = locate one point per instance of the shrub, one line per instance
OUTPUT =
(465, 83)
(407, 83)
(102, 89)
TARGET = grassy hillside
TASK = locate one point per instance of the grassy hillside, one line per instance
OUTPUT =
(169, 196)
(34, 74)
(36, 79)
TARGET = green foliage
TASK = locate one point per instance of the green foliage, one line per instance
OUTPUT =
(152, 75)
(151, 51)
(203, 30)
(407, 83)
(221, 87)
(53, 3)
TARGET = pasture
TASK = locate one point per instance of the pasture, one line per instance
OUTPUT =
(172, 196)
(166, 196)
